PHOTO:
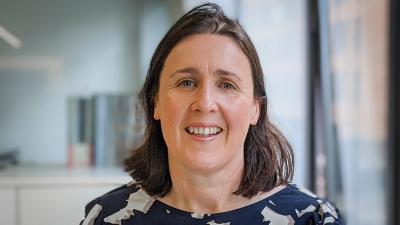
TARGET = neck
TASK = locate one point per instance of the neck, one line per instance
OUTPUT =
(205, 192)
(209, 193)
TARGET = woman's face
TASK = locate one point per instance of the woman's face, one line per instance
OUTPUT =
(205, 103)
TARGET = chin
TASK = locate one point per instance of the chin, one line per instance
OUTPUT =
(206, 165)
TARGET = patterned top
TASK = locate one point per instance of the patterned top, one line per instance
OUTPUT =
(129, 205)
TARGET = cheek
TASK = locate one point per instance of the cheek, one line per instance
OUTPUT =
(238, 116)
(171, 113)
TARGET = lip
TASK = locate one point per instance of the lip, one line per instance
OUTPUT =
(203, 125)
(203, 139)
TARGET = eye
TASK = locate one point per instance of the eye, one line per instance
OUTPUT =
(226, 86)
(186, 84)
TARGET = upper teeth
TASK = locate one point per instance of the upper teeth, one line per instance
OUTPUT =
(204, 130)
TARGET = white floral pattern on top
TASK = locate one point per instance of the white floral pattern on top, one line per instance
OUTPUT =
(92, 215)
(214, 223)
(138, 200)
(309, 209)
(276, 218)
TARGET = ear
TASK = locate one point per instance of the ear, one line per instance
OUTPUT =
(255, 112)
(156, 114)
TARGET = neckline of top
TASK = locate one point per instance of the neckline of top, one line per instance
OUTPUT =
(243, 209)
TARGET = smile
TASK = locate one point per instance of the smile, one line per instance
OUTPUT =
(203, 131)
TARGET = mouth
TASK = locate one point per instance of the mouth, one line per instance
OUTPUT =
(203, 131)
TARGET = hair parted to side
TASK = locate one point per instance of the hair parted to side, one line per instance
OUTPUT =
(268, 157)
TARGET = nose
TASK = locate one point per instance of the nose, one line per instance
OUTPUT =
(204, 100)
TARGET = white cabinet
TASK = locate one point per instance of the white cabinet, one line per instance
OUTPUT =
(52, 197)
(8, 213)
(56, 205)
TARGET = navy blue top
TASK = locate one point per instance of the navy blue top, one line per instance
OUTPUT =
(130, 205)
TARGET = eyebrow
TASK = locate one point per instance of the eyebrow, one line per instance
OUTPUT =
(194, 71)
(190, 70)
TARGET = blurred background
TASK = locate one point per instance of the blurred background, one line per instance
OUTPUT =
(70, 72)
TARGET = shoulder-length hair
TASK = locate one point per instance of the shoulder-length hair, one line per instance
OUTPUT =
(268, 157)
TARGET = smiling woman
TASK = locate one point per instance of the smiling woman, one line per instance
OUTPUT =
(200, 96)
(211, 154)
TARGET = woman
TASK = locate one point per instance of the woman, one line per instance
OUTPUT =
(211, 155)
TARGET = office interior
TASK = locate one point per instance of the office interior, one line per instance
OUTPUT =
(70, 73)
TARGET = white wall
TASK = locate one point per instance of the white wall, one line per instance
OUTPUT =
(278, 31)
(69, 48)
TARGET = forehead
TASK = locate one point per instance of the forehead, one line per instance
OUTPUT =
(213, 51)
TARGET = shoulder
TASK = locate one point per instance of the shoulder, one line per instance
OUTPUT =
(117, 205)
(302, 207)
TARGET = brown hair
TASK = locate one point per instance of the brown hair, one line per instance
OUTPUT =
(268, 157)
